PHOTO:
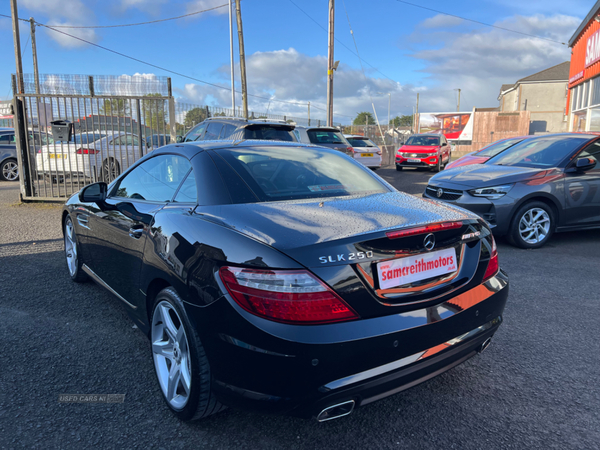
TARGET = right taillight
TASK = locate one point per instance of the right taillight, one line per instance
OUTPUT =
(493, 267)
(87, 151)
(288, 296)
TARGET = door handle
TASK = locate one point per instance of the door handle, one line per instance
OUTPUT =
(136, 231)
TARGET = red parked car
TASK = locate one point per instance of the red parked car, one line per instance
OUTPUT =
(481, 156)
(424, 150)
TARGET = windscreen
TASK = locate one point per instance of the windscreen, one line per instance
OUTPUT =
(498, 147)
(423, 140)
(540, 152)
(361, 142)
(326, 137)
(265, 132)
(290, 173)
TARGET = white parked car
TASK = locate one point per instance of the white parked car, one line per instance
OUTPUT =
(365, 151)
(104, 158)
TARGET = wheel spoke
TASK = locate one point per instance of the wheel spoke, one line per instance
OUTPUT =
(170, 327)
(186, 377)
(163, 348)
(180, 336)
(173, 383)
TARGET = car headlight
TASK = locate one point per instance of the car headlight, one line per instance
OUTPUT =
(493, 193)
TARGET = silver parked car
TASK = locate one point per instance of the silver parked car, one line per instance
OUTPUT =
(366, 151)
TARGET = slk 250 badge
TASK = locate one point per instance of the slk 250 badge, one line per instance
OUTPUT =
(343, 257)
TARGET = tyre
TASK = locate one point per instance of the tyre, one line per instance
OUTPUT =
(398, 168)
(532, 225)
(438, 166)
(180, 363)
(110, 169)
(72, 253)
(9, 170)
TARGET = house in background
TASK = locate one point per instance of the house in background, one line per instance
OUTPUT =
(544, 95)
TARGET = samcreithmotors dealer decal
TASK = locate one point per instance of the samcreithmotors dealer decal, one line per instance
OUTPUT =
(399, 272)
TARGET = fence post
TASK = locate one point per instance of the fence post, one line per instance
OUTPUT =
(141, 141)
(207, 112)
(25, 182)
(172, 118)
(91, 85)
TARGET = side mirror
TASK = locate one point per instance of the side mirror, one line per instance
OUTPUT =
(584, 164)
(94, 193)
(179, 139)
(444, 143)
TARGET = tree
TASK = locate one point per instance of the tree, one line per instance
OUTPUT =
(115, 107)
(194, 116)
(361, 118)
(154, 113)
(402, 121)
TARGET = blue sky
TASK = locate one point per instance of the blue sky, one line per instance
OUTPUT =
(415, 50)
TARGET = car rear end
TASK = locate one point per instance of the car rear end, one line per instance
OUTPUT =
(330, 138)
(264, 131)
(365, 151)
(351, 299)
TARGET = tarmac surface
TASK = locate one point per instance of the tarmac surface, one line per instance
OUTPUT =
(537, 385)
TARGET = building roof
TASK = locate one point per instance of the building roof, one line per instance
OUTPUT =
(584, 23)
(560, 72)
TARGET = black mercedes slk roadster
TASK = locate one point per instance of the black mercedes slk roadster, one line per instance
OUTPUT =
(284, 277)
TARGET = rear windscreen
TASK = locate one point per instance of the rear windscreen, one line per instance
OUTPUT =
(326, 137)
(361, 142)
(269, 133)
(289, 173)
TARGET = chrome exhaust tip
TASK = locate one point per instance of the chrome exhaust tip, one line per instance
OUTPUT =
(485, 344)
(336, 411)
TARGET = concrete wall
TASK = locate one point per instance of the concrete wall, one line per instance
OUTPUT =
(545, 101)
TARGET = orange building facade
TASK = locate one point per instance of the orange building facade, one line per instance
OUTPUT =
(583, 101)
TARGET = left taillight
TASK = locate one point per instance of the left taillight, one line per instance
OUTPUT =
(350, 150)
(87, 151)
(288, 296)
(493, 266)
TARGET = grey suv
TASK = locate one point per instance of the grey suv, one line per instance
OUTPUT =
(325, 137)
(235, 128)
(9, 168)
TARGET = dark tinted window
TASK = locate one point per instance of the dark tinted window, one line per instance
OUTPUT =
(287, 173)
(227, 130)
(592, 151)
(187, 191)
(326, 137)
(361, 142)
(7, 139)
(265, 132)
(155, 180)
(498, 147)
(423, 140)
(540, 152)
(195, 133)
(213, 131)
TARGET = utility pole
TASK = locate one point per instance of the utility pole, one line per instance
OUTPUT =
(389, 118)
(238, 13)
(231, 54)
(309, 114)
(416, 115)
(36, 73)
(330, 64)
(17, 40)
(458, 105)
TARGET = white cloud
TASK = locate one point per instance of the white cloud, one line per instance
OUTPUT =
(148, 6)
(201, 5)
(479, 62)
(441, 21)
(64, 12)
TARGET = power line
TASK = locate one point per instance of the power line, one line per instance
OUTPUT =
(340, 42)
(480, 23)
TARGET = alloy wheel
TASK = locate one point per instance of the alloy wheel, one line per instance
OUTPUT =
(110, 169)
(10, 171)
(70, 247)
(171, 355)
(534, 225)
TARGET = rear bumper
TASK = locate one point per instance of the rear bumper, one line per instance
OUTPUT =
(300, 370)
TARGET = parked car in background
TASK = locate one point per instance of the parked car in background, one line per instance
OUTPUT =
(9, 167)
(424, 151)
(325, 137)
(282, 277)
(365, 151)
(158, 140)
(535, 188)
(235, 128)
(481, 156)
(104, 158)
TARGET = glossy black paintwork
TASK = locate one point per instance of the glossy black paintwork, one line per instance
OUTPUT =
(267, 365)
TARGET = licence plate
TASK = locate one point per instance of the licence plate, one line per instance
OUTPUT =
(398, 272)
(57, 156)
(366, 154)
(414, 160)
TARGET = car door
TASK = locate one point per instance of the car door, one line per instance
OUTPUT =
(582, 190)
(119, 231)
